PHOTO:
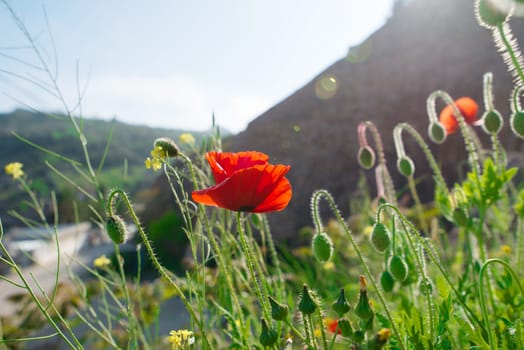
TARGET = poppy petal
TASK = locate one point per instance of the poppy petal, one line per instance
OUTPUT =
(467, 107)
(224, 164)
(256, 189)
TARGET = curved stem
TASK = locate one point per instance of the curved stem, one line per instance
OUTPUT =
(483, 299)
(317, 195)
(511, 49)
(154, 259)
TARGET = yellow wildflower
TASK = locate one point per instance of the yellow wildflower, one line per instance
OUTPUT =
(14, 169)
(158, 152)
(329, 266)
(181, 339)
(505, 249)
(102, 261)
(187, 138)
(153, 163)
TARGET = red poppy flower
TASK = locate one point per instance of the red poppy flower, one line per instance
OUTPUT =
(467, 106)
(332, 325)
(245, 181)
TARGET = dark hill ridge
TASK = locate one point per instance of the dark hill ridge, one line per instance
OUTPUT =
(428, 45)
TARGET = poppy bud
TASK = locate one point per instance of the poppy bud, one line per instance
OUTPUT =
(278, 311)
(492, 122)
(425, 286)
(358, 336)
(387, 282)
(341, 305)
(167, 145)
(405, 166)
(116, 229)
(488, 14)
(322, 246)
(398, 268)
(268, 336)
(307, 305)
(363, 309)
(437, 133)
(517, 123)
(460, 217)
(366, 157)
(380, 237)
(345, 327)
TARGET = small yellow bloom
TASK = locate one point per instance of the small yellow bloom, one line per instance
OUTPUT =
(384, 334)
(181, 339)
(329, 266)
(102, 261)
(187, 138)
(505, 249)
(158, 152)
(14, 169)
(153, 163)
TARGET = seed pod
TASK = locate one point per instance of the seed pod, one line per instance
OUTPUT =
(307, 305)
(517, 123)
(278, 311)
(363, 308)
(268, 336)
(387, 282)
(167, 145)
(341, 305)
(380, 237)
(405, 166)
(366, 157)
(437, 132)
(322, 247)
(398, 268)
(345, 327)
(116, 229)
(492, 122)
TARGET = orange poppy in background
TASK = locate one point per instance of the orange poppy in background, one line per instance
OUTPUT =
(467, 106)
(332, 325)
(245, 181)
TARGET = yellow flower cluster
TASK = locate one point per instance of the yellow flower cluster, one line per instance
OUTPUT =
(158, 156)
(14, 169)
(102, 261)
(181, 339)
(187, 138)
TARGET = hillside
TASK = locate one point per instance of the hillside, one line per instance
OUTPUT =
(426, 46)
(123, 166)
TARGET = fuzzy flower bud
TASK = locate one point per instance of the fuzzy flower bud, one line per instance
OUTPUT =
(437, 132)
(387, 282)
(168, 146)
(278, 311)
(398, 268)
(116, 229)
(380, 237)
(425, 286)
(341, 305)
(366, 157)
(268, 336)
(307, 305)
(406, 166)
(322, 247)
(517, 123)
(492, 122)
(363, 308)
(489, 15)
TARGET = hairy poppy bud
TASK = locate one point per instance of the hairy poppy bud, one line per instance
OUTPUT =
(488, 14)
(380, 237)
(167, 145)
(492, 122)
(425, 286)
(322, 246)
(341, 305)
(386, 281)
(363, 309)
(405, 166)
(460, 217)
(268, 336)
(345, 327)
(398, 268)
(437, 133)
(278, 311)
(517, 123)
(366, 157)
(116, 229)
(307, 305)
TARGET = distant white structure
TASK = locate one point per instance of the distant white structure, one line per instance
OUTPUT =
(38, 245)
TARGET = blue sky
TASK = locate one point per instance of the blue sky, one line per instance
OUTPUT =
(172, 63)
